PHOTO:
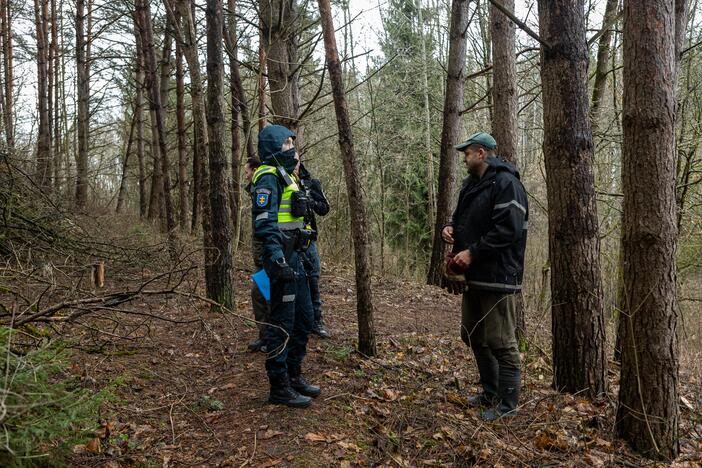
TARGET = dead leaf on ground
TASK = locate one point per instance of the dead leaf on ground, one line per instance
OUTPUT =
(94, 446)
(269, 434)
(312, 437)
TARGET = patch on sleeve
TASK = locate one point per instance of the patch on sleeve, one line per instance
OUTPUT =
(263, 197)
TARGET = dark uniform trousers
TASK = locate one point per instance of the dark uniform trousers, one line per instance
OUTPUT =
(291, 318)
(488, 327)
(258, 302)
(313, 267)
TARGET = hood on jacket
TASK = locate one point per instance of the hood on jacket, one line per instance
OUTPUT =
(499, 164)
(270, 143)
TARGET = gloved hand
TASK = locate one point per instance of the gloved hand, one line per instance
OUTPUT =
(453, 268)
(283, 271)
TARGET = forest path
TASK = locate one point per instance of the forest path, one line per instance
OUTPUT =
(192, 395)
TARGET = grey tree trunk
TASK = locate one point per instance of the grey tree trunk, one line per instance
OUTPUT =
(144, 15)
(359, 219)
(43, 173)
(182, 149)
(280, 29)
(451, 127)
(579, 361)
(601, 67)
(83, 92)
(505, 103)
(219, 284)
(647, 415)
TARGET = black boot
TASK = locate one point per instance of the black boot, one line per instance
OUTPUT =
(488, 370)
(510, 383)
(257, 345)
(299, 384)
(319, 330)
(283, 394)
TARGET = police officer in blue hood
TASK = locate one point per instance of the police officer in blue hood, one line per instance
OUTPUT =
(278, 213)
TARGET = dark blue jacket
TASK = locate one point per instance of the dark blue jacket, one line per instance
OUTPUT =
(268, 189)
(491, 220)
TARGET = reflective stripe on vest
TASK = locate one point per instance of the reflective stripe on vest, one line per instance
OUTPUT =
(286, 221)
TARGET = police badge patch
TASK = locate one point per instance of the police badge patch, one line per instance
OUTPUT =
(262, 197)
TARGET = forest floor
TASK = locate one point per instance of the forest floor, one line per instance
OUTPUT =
(190, 393)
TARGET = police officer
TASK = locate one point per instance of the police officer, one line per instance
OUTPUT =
(488, 232)
(278, 216)
(258, 302)
(318, 205)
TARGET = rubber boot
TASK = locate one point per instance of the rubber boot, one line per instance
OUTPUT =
(488, 370)
(302, 386)
(510, 383)
(283, 394)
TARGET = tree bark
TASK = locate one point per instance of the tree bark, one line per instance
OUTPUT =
(577, 311)
(359, 220)
(262, 73)
(280, 25)
(239, 109)
(505, 104)
(431, 193)
(55, 118)
(144, 15)
(602, 65)
(219, 285)
(451, 127)
(187, 37)
(647, 415)
(8, 69)
(125, 165)
(182, 150)
(43, 176)
(83, 92)
(139, 117)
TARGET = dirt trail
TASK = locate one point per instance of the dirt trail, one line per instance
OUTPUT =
(193, 396)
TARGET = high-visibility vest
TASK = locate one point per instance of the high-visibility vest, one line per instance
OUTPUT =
(286, 221)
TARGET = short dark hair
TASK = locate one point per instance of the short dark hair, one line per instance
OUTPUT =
(489, 151)
(253, 163)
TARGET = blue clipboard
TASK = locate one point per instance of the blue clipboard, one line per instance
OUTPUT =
(263, 282)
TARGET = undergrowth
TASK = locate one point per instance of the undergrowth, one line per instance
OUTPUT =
(44, 411)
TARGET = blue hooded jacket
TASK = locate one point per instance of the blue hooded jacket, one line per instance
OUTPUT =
(268, 190)
(270, 142)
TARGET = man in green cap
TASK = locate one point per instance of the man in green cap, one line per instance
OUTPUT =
(488, 232)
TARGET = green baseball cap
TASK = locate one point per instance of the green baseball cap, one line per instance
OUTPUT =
(480, 138)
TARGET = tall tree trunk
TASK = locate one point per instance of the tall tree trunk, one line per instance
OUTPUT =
(647, 415)
(187, 37)
(125, 165)
(280, 25)
(579, 362)
(359, 220)
(182, 150)
(451, 127)
(505, 104)
(83, 124)
(236, 94)
(139, 117)
(146, 31)
(219, 285)
(8, 69)
(55, 119)
(602, 65)
(262, 73)
(431, 195)
(44, 139)
(156, 203)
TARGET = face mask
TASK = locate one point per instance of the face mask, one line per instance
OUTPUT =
(287, 159)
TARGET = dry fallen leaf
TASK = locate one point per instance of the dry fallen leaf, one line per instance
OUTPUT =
(94, 446)
(269, 434)
(312, 437)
